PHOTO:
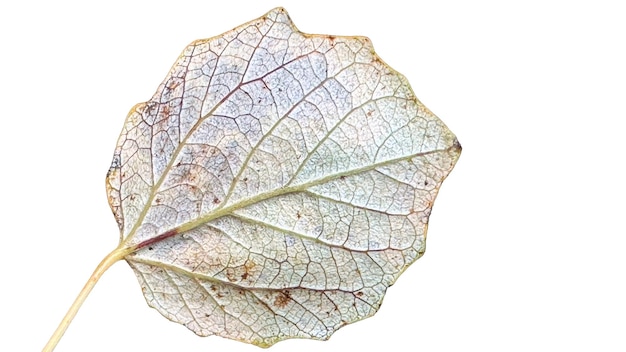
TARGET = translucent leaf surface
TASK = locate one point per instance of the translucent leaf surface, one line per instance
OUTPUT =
(277, 183)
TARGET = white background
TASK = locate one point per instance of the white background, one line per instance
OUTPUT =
(527, 246)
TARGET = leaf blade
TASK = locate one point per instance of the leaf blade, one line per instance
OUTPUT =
(306, 174)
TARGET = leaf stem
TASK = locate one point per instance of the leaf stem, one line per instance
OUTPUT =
(105, 264)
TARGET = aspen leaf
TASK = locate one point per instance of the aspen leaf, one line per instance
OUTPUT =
(276, 183)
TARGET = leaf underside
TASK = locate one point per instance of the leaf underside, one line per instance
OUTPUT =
(277, 183)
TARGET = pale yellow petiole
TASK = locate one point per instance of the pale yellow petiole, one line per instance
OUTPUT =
(105, 264)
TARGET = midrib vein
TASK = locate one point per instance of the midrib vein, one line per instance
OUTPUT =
(226, 210)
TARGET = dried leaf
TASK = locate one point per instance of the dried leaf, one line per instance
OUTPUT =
(276, 184)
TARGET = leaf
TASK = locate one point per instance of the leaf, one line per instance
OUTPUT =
(276, 183)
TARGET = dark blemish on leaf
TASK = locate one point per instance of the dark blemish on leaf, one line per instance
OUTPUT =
(457, 145)
(230, 275)
(216, 201)
(282, 299)
(172, 84)
(248, 266)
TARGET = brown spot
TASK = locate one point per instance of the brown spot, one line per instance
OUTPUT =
(230, 274)
(298, 215)
(173, 84)
(216, 201)
(248, 266)
(360, 293)
(342, 177)
(282, 299)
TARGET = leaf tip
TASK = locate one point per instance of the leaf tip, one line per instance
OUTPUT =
(456, 145)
